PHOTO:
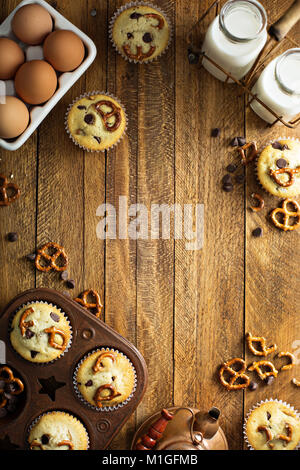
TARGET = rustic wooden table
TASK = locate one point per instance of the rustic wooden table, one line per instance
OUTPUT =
(186, 311)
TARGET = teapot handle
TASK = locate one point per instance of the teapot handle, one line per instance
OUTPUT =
(155, 432)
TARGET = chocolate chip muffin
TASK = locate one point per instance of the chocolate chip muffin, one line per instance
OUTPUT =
(58, 431)
(140, 33)
(96, 122)
(273, 425)
(105, 378)
(40, 332)
(278, 168)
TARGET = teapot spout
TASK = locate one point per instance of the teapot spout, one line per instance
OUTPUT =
(207, 423)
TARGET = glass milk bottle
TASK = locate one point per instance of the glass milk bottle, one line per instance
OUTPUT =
(235, 38)
(279, 87)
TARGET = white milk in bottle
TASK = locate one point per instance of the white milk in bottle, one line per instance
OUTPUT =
(235, 38)
(279, 87)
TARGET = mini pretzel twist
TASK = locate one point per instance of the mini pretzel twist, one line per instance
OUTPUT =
(292, 359)
(266, 431)
(66, 443)
(262, 341)
(51, 340)
(252, 154)
(286, 215)
(261, 202)
(112, 394)
(288, 171)
(7, 375)
(289, 433)
(257, 366)
(95, 306)
(24, 325)
(36, 444)
(115, 112)
(97, 367)
(51, 260)
(5, 199)
(140, 55)
(157, 17)
(235, 375)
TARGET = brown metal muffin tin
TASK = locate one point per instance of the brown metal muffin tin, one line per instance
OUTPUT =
(88, 333)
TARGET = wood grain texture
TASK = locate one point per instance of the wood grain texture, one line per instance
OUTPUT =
(186, 311)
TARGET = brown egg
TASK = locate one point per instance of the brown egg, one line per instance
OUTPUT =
(64, 50)
(36, 82)
(14, 118)
(11, 58)
(32, 23)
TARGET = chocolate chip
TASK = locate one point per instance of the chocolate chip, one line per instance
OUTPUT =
(113, 378)
(281, 163)
(227, 179)
(64, 275)
(81, 107)
(11, 407)
(98, 139)
(215, 132)
(89, 383)
(31, 257)
(252, 386)
(9, 388)
(240, 178)
(2, 384)
(29, 334)
(285, 147)
(129, 35)
(234, 142)
(3, 412)
(70, 284)
(55, 317)
(228, 187)
(33, 354)
(94, 12)
(135, 16)
(277, 145)
(241, 141)
(193, 57)
(12, 237)
(257, 232)
(89, 119)
(45, 439)
(269, 380)
(268, 415)
(147, 37)
(231, 168)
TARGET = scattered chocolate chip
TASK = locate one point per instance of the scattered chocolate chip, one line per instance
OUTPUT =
(113, 378)
(135, 16)
(9, 388)
(64, 275)
(268, 415)
(2, 384)
(257, 232)
(147, 38)
(269, 380)
(11, 407)
(281, 163)
(70, 284)
(252, 386)
(231, 168)
(228, 187)
(45, 439)
(3, 412)
(55, 317)
(277, 145)
(129, 35)
(31, 257)
(193, 57)
(227, 179)
(94, 12)
(240, 178)
(234, 142)
(241, 141)
(285, 147)
(29, 334)
(12, 237)
(33, 354)
(98, 139)
(89, 383)
(89, 119)
(216, 132)
(81, 107)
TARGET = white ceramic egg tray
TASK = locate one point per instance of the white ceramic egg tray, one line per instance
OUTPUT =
(65, 80)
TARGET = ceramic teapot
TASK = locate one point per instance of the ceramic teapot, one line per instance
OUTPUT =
(181, 428)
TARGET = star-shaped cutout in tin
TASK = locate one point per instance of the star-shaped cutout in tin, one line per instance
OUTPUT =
(49, 386)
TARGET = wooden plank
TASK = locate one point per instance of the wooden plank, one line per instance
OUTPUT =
(16, 273)
(209, 283)
(272, 267)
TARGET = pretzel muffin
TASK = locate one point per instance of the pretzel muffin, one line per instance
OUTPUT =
(272, 425)
(40, 332)
(96, 122)
(105, 378)
(278, 168)
(58, 430)
(140, 33)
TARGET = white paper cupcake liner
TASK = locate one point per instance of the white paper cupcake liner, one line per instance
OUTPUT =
(86, 95)
(257, 405)
(36, 420)
(41, 364)
(103, 408)
(136, 4)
